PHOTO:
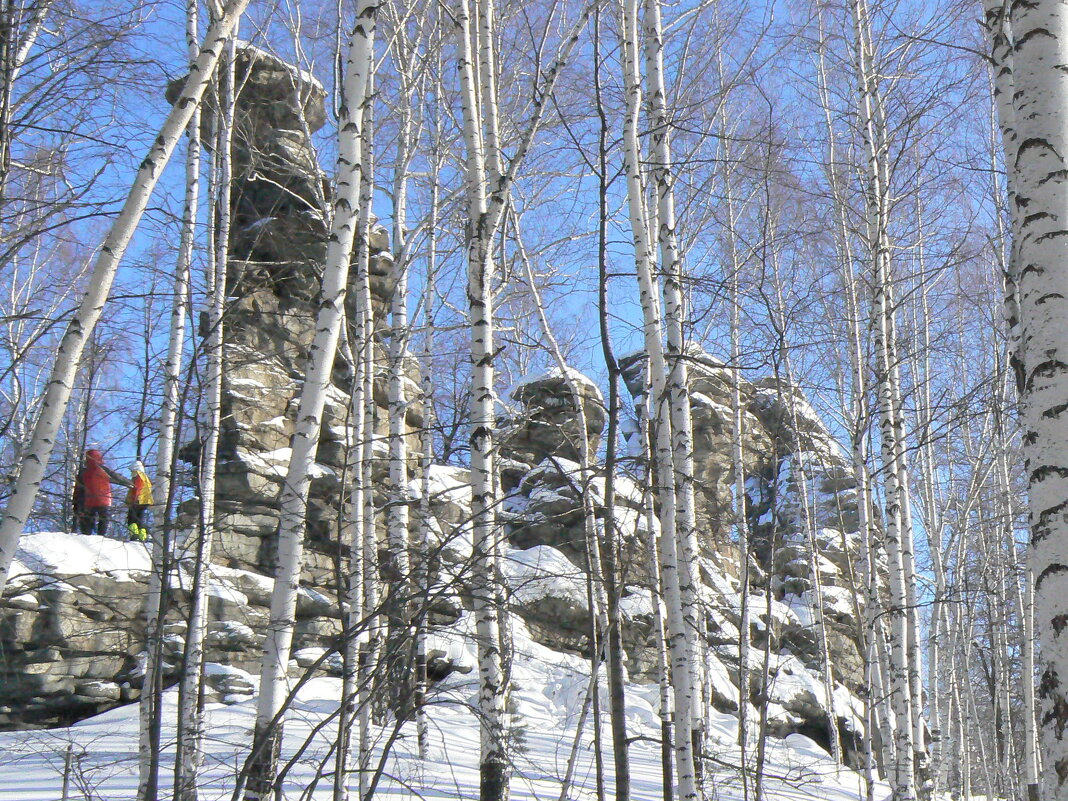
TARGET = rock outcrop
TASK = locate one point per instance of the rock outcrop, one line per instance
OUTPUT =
(70, 630)
(783, 441)
(277, 248)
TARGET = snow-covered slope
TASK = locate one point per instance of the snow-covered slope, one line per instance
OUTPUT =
(549, 689)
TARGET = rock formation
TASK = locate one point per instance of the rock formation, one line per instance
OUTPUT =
(277, 247)
(781, 432)
(70, 630)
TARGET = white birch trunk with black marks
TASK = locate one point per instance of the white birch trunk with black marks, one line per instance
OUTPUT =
(149, 712)
(877, 233)
(492, 760)
(68, 355)
(374, 644)
(1040, 211)
(190, 755)
(294, 500)
(678, 397)
(683, 679)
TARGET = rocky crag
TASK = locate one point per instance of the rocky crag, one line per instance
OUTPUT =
(277, 248)
(781, 432)
(70, 631)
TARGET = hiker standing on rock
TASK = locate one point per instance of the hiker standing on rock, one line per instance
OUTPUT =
(138, 499)
(92, 494)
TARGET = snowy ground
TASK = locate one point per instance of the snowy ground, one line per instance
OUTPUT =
(548, 690)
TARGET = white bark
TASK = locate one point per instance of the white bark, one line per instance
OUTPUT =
(425, 533)
(293, 516)
(741, 520)
(149, 713)
(678, 397)
(485, 534)
(424, 536)
(351, 567)
(1040, 106)
(488, 183)
(653, 532)
(895, 492)
(914, 649)
(999, 37)
(190, 712)
(65, 366)
(397, 512)
(679, 640)
(371, 653)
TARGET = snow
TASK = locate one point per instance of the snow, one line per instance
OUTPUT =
(543, 572)
(548, 692)
(55, 555)
(638, 604)
(213, 669)
(449, 484)
(276, 463)
(569, 374)
(302, 76)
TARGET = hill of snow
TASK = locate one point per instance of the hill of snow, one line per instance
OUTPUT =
(548, 690)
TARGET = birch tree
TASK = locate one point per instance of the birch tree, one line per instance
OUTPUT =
(1038, 170)
(682, 663)
(54, 405)
(150, 718)
(488, 180)
(190, 754)
(678, 397)
(493, 781)
(293, 516)
(896, 517)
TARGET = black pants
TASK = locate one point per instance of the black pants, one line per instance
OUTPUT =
(136, 514)
(94, 516)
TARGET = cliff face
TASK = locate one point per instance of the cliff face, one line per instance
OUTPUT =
(277, 248)
(70, 631)
(783, 442)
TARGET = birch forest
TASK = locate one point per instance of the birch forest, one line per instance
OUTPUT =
(534, 399)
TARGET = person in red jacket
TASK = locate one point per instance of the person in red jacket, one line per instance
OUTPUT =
(92, 494)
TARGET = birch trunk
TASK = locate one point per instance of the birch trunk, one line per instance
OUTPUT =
(613, 580)
(487, 188)
(683, 683)
(1040, 106)
(293, 515)
(1000, 39)
(877, 715)
(492, 760)
(678, 396)
(397, 512)
(741, 520)
(894, 491)
(352, 565)
(68, 355)
(371, 654)
(425, 533)
(913, 648)
(149, 711)
(1032, 771)
(652, 524)
(350, 579)
(190, 713)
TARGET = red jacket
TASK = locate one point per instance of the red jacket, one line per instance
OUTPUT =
(94, 480)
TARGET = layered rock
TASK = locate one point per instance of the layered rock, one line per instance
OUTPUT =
(782, 440)
(277, 247)
(70, 630)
